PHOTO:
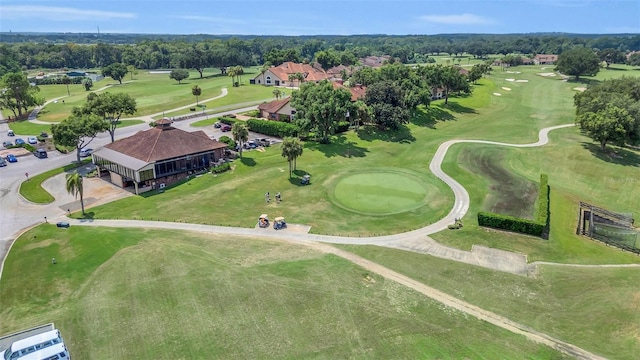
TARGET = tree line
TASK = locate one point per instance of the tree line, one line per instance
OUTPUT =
(52, 51)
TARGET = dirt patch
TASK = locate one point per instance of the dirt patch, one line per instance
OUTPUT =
(509, 194)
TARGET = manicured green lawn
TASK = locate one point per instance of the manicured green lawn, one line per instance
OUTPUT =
(28, 128)
(129, 293)
(32, 190)
(593, 308)
(153, 92)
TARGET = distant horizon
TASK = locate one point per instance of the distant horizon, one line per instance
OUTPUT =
(318, 18)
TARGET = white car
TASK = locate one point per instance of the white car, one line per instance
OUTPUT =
(85, 152)
(32, 140)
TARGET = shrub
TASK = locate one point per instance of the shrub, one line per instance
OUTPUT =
(227, 120)
(272, 128)
(28, 147)
(543, 200)
(192, 109)
(221, 168)
(510, 223)
(231, 144)
(252, 113)
(342, 126)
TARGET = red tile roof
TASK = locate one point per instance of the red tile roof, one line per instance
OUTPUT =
(357, 92)
(273, 106)
(160, 144)
(283, 71)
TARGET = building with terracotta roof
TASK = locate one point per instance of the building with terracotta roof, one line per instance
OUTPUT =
(545, 59)
(279, 110)
(279, 75)
(357, 91)
(157, 157)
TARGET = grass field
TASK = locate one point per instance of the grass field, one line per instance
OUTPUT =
(25, 127)
(153, 92)
(127, 293)
(32, 190)
(594, 308)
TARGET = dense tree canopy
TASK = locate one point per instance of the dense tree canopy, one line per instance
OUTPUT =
(577, 62)
(610, 111)
(17, 94)
(108, 106)
(179, 75)
(78, 131)
(319, 108)
(116, 71)
(386, 100)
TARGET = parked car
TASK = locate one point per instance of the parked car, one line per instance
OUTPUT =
(85, 152)
(263, 142)
(11, 133)
(252, 144)
(2, 162)
(217, 125)
(40, 153)
(7, 144)
(32, 140)
(225, 128)
(12, 158)
(44, 134)
(20, 142)
(62, 224)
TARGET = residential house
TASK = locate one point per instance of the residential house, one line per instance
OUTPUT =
(545, 59)
(279, 75)
(357, 92)
(375, 61)
(157, 157)
(279, 110)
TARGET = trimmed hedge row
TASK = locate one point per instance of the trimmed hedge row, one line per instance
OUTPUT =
(543, 199)
(227, 120)
(272, 128)
(510, 223)
(539, 227)
(221, 168)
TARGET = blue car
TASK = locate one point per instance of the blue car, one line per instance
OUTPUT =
(12, 158)
(19, 142)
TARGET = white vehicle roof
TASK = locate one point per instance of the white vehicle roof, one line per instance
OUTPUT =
(55, 352)
(35, 340)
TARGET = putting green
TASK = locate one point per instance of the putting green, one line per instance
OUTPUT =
(380, 192)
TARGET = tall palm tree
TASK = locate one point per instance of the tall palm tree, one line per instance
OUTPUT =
(239, 73)
(291, 150)
(231, 71)
(240, 134)
(75, 187)
(196, 91)
(277, 93)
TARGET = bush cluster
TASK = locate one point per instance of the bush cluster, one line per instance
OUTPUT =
(342, 126)
(510, 223)
(231, 144)
(539, 227)
(57, 80)
(227, 120)
(272, 128)
(221, 168)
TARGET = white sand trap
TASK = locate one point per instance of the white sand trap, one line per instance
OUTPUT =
(510, 79)
(512, 72)
(580, 88)
(497, 94)
(547, 74)
(506, 88)
(522, 80)
(160, 72)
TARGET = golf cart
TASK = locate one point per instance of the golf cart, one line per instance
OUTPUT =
(263, 221)
(279, 223)
(306, 180)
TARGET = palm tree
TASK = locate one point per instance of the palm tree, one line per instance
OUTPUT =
(277, 93)
(239, 73)
(240, 134)
(196, 91)
(291, 149)
(66, 80)
(231, 71)
(74, 187)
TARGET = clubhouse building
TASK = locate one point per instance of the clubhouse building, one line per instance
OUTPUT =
(157, 157)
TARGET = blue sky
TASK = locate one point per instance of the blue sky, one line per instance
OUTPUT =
(309, 17)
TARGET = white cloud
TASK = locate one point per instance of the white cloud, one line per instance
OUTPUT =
(53, 13)
(215, 19)
(462, 19)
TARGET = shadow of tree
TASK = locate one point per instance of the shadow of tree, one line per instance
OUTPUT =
(457, 108)
(297, 177)
(614, 155)
(339, 146)
(247, 160)
(430, 116)
(401, 135)
(583, 81)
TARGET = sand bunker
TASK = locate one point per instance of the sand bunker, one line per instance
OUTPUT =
(506, 88)
(547, 74)
(512, 72)
(580, 88)
(510, 79)
(522, 80)
(497, 94)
